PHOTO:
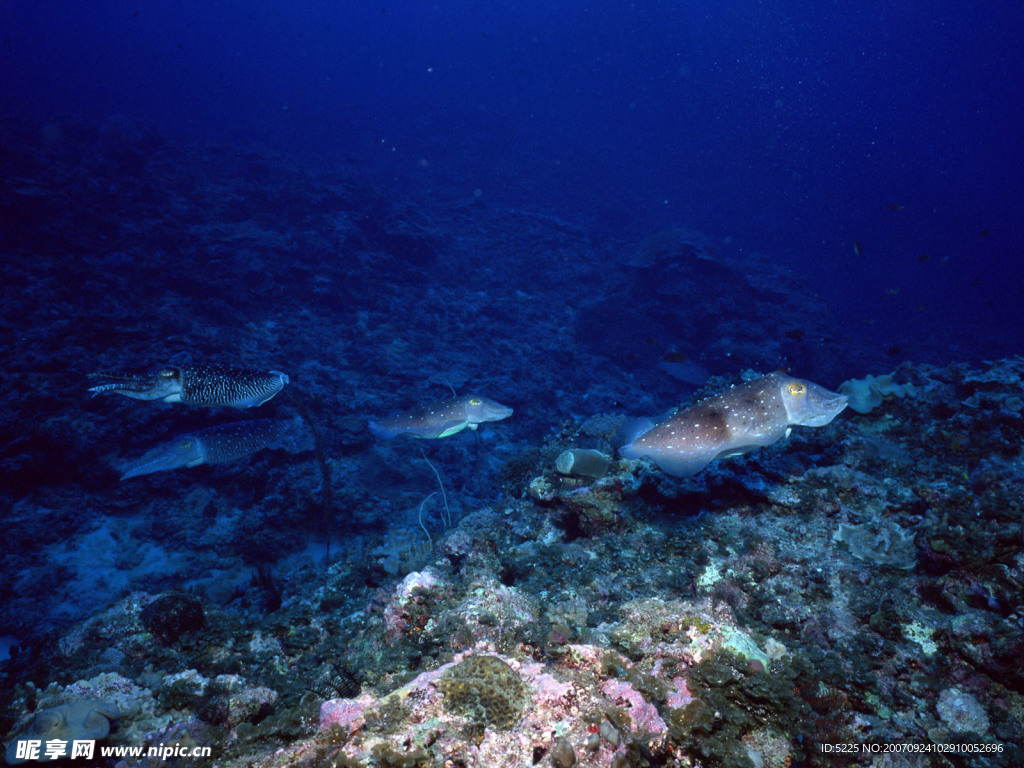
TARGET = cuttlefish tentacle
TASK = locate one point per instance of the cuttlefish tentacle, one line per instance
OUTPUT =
(747, 416)
(209, 385)
(162, 384)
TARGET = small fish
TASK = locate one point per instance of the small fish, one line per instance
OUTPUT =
(857, 250)
(213, 445)
(747, 416)
(209, 385)
(895, 206)
(441, 419)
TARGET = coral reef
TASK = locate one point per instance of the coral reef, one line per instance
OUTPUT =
(485, 690)
(860, 586)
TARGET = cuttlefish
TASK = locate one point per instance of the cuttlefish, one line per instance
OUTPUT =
(212, 445)
(55, 732)
(747, 416)
(210, 385)
(440, 419)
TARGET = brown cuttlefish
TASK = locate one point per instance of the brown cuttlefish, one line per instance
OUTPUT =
(746, 416)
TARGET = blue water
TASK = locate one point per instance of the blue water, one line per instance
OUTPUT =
(793, 128)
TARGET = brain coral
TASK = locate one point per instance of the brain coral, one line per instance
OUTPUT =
(484, 689)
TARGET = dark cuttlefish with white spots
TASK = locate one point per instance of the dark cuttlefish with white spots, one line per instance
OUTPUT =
(747, 416)
(441, 419)
(206, 384)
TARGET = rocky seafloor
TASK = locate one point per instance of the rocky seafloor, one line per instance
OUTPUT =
(861, 584)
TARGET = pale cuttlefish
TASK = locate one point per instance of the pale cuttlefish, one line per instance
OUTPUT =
(440, 419)
(209, 385)
(214, 445)
(746, 416)
(56, 728)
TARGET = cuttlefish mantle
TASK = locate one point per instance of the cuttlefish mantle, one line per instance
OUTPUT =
(215, 445)
(209, 385)
(440, 419)
(747, 416)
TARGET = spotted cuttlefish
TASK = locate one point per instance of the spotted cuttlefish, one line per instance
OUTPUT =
(441, 419)
(212, 445)
(209, 385)
(746, 416)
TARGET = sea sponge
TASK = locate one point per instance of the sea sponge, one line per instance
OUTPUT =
(868, 393)
(485, 690)
(583, 462)
(80, 719)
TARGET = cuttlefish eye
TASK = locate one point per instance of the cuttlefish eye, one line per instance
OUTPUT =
(47, 721)
(796, 389)
(168, 373)
(475, 401)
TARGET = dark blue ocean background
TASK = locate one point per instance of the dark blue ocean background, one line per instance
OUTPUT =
(589, 212)
(787, 128)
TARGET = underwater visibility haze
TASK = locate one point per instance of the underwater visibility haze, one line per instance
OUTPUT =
(498, 384)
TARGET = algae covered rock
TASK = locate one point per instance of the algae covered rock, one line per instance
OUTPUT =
(960, 712)
(886, 545)
(173, 615)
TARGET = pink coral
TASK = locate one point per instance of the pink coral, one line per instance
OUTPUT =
(347, 714)
(681, 696)
(644, 715)
(549, 691)
(584, 656)
(405, 610)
